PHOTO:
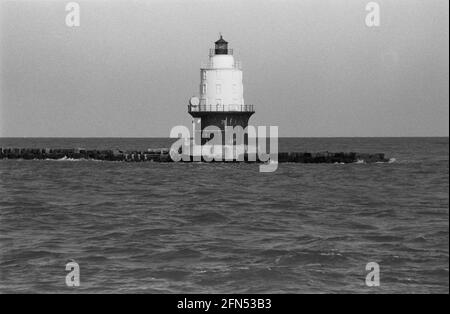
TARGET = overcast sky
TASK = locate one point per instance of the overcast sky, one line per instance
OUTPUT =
(312, 67)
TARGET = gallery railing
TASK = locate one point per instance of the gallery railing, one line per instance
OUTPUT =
(221, 108)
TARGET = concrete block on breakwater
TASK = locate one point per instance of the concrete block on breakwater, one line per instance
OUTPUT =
(162, 155)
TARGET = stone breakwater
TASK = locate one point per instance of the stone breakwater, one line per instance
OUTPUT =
(162, 155)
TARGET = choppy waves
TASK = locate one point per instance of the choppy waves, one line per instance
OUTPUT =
(177, 228)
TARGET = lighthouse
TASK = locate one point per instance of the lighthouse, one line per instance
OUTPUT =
(221, 101)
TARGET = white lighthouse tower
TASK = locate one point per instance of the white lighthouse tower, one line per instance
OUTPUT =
(221, 101)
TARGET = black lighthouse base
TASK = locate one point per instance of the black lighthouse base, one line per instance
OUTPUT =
(221, 120)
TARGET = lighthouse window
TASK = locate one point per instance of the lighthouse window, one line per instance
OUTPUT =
(203, 88)
(218, 89)
(204, 75)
